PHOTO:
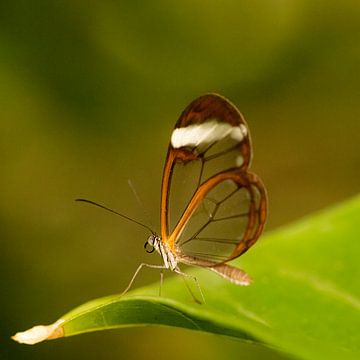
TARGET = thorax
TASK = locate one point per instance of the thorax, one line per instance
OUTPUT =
(168, 256)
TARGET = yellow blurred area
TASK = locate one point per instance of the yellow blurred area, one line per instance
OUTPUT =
(89, 95)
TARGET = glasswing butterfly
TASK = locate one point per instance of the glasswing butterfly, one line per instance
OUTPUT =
(224, 211)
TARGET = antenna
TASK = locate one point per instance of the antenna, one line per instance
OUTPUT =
(140, 203)
(115, 212)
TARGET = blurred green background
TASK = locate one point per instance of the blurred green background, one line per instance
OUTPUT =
(90, 92)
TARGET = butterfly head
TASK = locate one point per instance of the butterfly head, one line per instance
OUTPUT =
(152, 243)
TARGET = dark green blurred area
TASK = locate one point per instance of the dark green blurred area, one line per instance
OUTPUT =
(89, 95)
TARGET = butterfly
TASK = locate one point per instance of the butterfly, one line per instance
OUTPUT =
(224, 211)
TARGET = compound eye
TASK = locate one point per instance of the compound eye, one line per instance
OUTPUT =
(148, 247)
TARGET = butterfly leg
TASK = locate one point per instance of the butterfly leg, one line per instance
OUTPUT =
(161, 280)
(162, 267)
(184, 275)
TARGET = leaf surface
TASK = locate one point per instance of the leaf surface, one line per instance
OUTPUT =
(304, 301)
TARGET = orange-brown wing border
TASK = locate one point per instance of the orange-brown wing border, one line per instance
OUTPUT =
(256, 214)
(198, 111)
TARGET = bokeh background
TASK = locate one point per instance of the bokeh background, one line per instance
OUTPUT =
(89, 94)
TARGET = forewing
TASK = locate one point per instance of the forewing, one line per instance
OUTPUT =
(210, 139)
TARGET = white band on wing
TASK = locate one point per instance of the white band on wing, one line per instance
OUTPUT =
(207, 133)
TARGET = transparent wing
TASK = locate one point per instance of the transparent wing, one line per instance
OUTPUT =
(209, 199)
(187, 176)
(224, 219)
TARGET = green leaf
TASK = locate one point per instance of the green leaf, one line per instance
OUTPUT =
(304, 300)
